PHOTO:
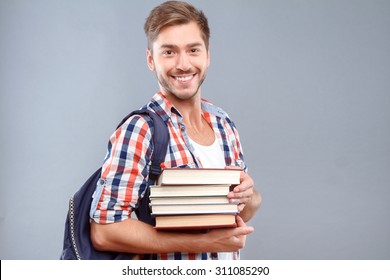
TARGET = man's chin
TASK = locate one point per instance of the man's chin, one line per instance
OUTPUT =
(184, 95)
(180, 95)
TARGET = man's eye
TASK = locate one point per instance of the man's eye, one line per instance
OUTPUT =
(194, 50)
(168, 52)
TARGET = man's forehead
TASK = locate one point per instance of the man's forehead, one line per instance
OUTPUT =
(180, 35)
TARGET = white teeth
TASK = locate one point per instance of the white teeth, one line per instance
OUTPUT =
(183, 79)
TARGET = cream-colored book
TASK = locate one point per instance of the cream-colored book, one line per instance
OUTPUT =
(198, 176)
(187, 209)
(188, 190)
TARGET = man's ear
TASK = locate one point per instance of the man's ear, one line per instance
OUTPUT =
(208, 57)
(149, 60)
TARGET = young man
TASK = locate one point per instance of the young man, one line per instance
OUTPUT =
(201, 135)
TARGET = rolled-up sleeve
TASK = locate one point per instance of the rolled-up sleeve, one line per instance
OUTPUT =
(124, 172)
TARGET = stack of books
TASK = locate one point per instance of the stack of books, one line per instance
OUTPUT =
(194, 198)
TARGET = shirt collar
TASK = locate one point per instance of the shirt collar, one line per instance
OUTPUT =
(161, 105)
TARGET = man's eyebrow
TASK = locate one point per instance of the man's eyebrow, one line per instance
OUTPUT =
(167, 46)
(171, 46)
(193, 45)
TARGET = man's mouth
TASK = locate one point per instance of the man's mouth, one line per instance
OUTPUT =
(183, 78)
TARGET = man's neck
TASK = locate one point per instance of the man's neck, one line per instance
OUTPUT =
(190, 109)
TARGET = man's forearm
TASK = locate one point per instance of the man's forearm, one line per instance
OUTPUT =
(133, 236)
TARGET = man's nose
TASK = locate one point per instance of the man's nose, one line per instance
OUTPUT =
(183, 62)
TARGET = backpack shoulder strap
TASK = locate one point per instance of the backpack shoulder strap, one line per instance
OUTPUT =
(160, 140)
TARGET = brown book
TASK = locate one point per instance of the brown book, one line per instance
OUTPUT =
(198, 176)
(194, 222)
(188, 190)
(190, 209)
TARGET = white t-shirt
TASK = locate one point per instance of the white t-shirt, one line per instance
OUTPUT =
(212, 157)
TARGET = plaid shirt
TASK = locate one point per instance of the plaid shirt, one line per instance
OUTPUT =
(126, 165)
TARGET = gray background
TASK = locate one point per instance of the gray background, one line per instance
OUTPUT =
(307, 83)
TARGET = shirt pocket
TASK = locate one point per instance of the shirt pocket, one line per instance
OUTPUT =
(179, 157)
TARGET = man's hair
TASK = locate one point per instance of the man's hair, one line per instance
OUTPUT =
(171, 13)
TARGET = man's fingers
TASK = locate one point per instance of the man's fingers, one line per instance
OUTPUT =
(243, 231)
(242, 228)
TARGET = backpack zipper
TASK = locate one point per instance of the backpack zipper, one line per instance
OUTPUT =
(72, 230)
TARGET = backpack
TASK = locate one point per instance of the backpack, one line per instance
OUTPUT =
(77, 243)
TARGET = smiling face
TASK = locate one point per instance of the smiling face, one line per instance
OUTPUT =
(180, 59)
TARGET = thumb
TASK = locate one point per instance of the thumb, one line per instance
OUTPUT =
(241, 224)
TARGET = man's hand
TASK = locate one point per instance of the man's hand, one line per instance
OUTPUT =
(245, 195)
(231, 239)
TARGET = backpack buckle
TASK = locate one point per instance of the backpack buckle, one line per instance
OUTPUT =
(154, 171)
